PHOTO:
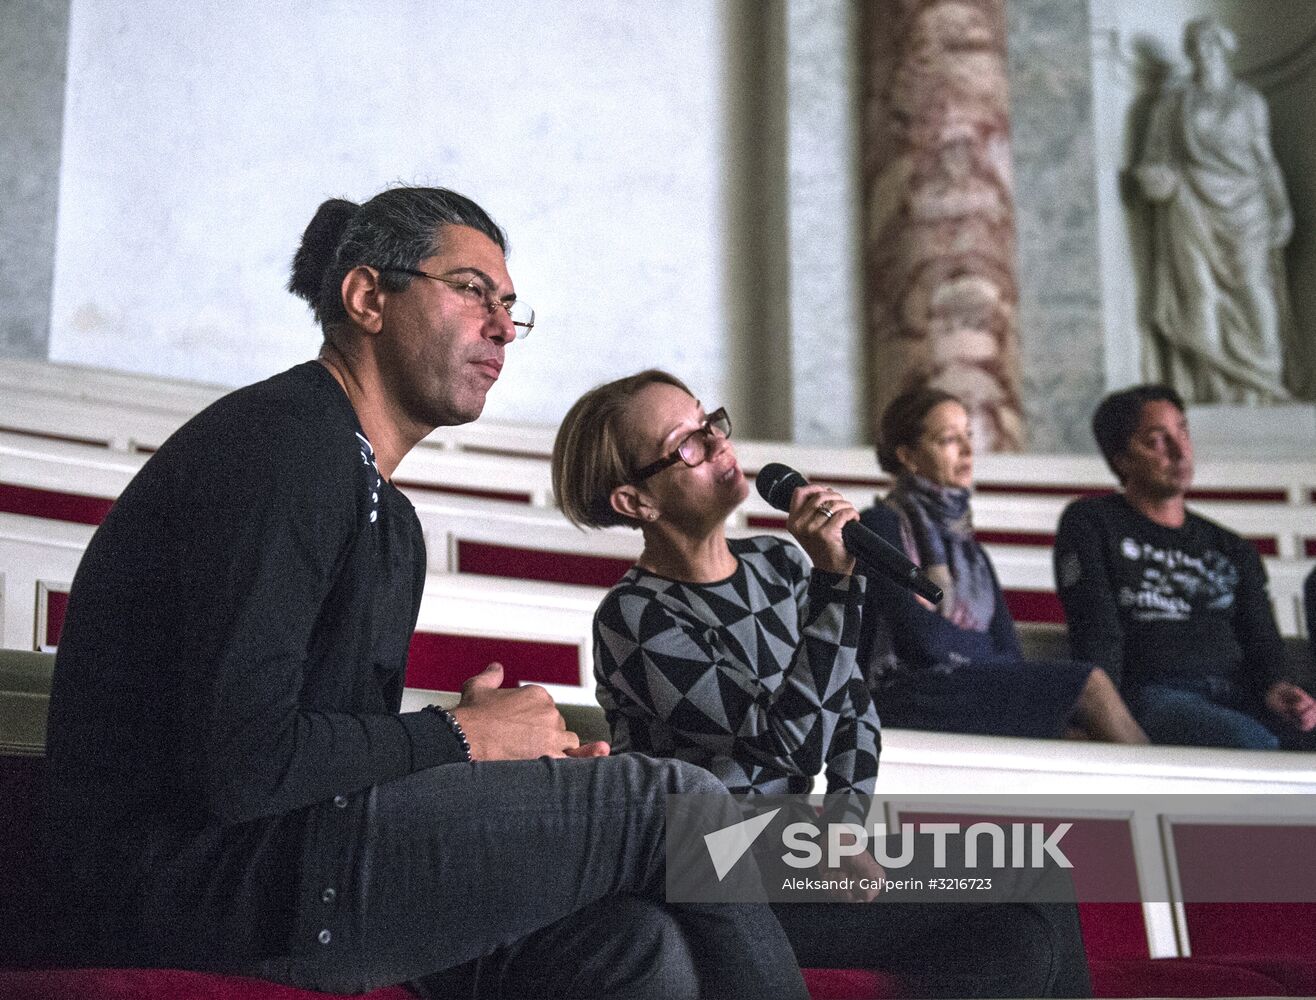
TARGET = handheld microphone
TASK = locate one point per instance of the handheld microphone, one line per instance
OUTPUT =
(776, 483)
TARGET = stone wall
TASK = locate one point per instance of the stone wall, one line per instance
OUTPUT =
(33, 44)
(1055, 212)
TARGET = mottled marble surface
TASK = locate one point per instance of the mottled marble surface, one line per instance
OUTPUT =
(939, 210)
(33, 43)
(1055, 213)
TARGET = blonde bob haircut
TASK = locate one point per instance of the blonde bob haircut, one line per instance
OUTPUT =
(591, 455)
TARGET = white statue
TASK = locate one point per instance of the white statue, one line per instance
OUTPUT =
(1219, 302)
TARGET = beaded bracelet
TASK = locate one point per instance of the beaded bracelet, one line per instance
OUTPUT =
(455, 726)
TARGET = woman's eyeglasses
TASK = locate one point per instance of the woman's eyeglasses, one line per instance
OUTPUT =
(694, 448)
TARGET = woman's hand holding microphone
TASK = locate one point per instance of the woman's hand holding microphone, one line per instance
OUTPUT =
(817, 516)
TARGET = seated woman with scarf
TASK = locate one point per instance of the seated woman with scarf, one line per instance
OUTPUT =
(958, 667)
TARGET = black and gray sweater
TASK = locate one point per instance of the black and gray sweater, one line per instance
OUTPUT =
(753, 677)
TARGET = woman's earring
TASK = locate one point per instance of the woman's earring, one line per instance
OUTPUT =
(653, 515)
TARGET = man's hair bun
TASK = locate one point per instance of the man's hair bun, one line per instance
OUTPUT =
(319, 244)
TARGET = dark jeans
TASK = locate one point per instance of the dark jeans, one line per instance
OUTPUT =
(1201, 712)
(536, 879)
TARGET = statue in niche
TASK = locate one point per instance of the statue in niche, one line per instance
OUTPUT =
(1218, 294)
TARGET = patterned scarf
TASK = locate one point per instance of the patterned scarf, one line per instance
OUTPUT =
(937, 528)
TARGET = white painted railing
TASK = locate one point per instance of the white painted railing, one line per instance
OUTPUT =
(125, 410)
(37, 557)
(449, 520)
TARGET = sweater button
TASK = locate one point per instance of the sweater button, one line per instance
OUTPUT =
(324, 937)
(340, 801)
(328, 896)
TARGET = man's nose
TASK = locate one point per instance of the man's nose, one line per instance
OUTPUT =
(500, 327)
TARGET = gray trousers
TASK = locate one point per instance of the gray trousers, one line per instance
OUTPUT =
(543, 878)
(535, 879)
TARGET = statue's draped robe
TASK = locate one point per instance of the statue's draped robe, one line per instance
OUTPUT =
(1219, 305)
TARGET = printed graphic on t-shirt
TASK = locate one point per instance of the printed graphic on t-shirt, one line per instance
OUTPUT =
(368, 458)
(1173, 584)
(1070, 570)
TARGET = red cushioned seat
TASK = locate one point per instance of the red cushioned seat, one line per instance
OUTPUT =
(1296, 975)
(850, 984)
(155, 984)
(1113, 930)
(1163, 977)
(176, 984)
(1179, 977)
(1252, 928)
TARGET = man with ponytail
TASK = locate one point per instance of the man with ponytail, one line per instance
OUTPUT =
(231, 784)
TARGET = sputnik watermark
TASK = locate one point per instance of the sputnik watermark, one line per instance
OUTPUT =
(991, 848)
(796, 849)
(1029, 844)
(728, 845)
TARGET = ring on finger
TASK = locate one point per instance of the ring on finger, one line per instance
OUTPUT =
(826, 510)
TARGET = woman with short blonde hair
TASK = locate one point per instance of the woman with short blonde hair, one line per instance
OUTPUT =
(590, 452)
(641, 451)
(739, 655)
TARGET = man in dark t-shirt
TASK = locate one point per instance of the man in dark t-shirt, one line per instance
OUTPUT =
(231, 785)
(1173, 606)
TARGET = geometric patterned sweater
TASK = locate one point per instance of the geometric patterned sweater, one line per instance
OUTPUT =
(753, 677)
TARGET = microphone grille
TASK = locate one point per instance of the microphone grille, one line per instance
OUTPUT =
(776, 483)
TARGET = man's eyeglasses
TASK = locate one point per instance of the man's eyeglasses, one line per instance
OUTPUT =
(694, 448)
(522, 316)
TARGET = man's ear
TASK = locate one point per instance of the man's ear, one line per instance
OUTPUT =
(627, 501)
(363, 298)
(1117, 463)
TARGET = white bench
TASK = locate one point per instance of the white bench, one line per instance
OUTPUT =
(138, 410)
(37, 561)
(456, 524)
(1282, 530)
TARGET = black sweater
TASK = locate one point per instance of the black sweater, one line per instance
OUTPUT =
(229, 674)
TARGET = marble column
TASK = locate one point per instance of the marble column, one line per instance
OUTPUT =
(939, 235)
(33, 56)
